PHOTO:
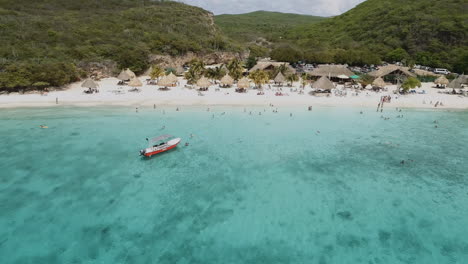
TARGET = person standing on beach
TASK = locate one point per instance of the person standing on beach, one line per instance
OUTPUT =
(56, 100)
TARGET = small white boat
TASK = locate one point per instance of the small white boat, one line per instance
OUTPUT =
(160, 144)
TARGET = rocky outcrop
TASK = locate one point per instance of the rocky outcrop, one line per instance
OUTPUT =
(167, 61)
(99, 70)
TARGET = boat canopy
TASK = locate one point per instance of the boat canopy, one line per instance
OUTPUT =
(159, 139)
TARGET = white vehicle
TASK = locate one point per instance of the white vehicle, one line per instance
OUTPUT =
(441, 71)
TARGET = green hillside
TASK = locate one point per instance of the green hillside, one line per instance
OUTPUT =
(44, 40)
(269, 25)
(428, 32)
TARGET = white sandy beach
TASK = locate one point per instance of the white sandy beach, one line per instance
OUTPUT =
(73, 95)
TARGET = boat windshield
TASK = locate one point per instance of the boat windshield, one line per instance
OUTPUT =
(157, 141)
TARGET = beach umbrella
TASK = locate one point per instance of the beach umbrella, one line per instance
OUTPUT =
(135, 82)
(342, 76)
(203, 82)
(280, 78)
(89, 83)
(124, 76)
(227, 80)
(243, 83)
(442, 80)
(172, 78)
(323, 83)
(379, 82)
(165, 82)
(130, 73)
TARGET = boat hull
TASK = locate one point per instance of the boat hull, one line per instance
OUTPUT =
(151, 152)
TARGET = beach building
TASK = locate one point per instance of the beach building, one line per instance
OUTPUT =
(392, 73)
(269, 66)
(334, 72)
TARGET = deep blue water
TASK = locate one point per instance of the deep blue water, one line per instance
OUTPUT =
(321, 187)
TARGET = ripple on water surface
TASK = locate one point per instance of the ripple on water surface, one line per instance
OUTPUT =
(326, 186)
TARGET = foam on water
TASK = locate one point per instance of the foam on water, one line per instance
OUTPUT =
(319, 187)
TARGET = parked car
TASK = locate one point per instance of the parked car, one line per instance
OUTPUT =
(441, 71)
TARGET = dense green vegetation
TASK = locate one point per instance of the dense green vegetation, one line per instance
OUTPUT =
(44, 40)
(428, 32)
(270, 26)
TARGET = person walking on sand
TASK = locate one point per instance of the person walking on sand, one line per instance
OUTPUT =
(56, 100)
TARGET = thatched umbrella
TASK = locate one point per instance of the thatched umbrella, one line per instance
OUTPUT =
(379, 82)
(130, 73)
(324, 84)
(227, 80)
(203, 82)
(280, 78)
(172, 78)
(457, 83)
(124, 76)
(243, 83)
(164, 82)
(135, 82)
(442, 80)
(89, 83)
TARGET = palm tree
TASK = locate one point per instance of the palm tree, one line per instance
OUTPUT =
(235, 69)
(259, 77)
(198, 66)
(292, 78)
(156, 72)
(215, 73)
(191, 76)
(304, 78)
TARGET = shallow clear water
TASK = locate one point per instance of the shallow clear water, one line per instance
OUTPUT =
(248, 189)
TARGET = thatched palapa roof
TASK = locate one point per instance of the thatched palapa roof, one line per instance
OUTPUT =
(165, 82)
(130, 73)
(379, 82)
(458, 82)
(324, 84)
(264, 65)
(203, 82)
(172, 78)
(442, 80)
(89, 83)
(124, 76)
(227, 80)
(280, 78)
(391, 69)
(243, 83)
(135, 82)
(331, 71)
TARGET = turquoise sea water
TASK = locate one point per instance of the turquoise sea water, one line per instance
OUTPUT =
(320, 187)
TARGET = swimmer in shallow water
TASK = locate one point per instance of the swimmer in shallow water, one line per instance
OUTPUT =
(43, 126)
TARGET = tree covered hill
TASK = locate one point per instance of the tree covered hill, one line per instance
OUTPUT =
(262, 24)
(428, 32)
(44, 40)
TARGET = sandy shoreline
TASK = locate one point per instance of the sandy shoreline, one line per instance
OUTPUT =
(180, 96)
